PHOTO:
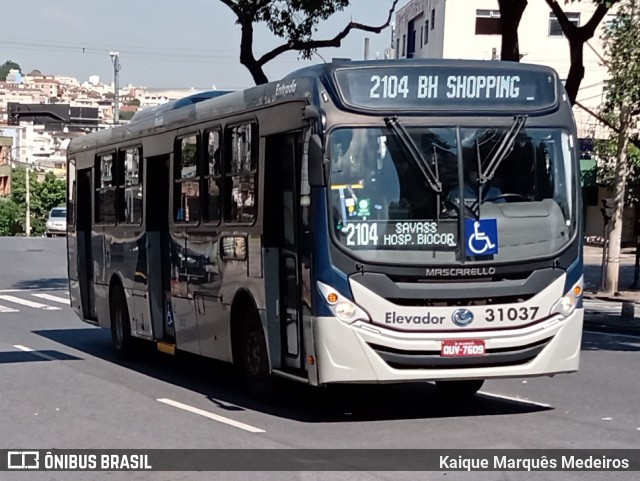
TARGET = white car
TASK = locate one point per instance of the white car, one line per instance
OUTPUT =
(57, 222)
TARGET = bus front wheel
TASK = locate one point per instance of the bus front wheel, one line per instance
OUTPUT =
(459, 389)
(120, 324)
(255, 359)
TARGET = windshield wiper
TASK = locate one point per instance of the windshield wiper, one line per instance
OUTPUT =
(415, 153)
(503, 150)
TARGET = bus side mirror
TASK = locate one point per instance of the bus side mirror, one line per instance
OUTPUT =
(316, 176)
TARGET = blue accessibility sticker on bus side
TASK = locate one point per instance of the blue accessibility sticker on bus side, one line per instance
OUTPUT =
(481, 237)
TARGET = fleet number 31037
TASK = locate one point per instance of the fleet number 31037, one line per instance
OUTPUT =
(510, 314)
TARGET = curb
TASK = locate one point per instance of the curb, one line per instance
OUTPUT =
(618, 299)
(631, 328)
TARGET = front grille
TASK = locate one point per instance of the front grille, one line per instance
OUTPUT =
(460, 302)
(458, 293)
(503, 276)
(504, 356)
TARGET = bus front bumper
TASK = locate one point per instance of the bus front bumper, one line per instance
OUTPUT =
(366, 353)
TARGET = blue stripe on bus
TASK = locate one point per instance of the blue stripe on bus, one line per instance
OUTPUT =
(324, 271)
(574, 272)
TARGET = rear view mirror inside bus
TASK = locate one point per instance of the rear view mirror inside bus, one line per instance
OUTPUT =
(233, 248)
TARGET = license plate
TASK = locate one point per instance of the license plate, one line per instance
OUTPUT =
(462, 348)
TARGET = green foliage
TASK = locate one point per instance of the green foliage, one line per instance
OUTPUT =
(297, 20)
(124, 115)
(44, 195)
(10, 216)
(622, 51)
(6, 67)
(49, 193)
(606, 152)
(292, 20)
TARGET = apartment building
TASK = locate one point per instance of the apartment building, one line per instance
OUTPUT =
(471, 29)
(465, 29)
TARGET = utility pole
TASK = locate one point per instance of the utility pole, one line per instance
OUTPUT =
(115, 60)
(27, 221)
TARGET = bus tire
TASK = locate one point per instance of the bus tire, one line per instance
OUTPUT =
(123, 342)
(459, 389)
(255, 357)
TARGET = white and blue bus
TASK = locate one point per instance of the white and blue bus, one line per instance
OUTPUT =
(355, 222)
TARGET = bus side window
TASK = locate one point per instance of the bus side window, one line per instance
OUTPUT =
(105, 195)
(186, 187)
(241, 174)
(213, 177)
(130, 207)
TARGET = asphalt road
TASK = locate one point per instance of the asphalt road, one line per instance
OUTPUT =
(62, 387)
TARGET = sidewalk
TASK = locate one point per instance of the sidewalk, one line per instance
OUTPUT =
(626, 296)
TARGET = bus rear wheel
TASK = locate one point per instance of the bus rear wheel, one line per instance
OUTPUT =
(459, 389)
(121, 324)
(255, 358)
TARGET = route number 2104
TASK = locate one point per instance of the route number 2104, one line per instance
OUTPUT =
(361, 234)
(389, 86)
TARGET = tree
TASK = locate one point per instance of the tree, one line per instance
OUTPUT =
(606, 151)
(294, 21)
(47, 194)
(577, 37)
(622, 53)
(9, 217)
(43, 196)
(6, 67)
(511, 12)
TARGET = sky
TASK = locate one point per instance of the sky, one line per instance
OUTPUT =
(162, 43)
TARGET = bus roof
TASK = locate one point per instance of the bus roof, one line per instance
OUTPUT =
(381, 87)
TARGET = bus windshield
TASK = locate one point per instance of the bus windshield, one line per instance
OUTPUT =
(385, 209)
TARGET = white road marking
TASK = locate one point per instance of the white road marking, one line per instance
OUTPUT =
(35, 353)
(215, 417)
(49, 297)
(4, 309)
(24, 302)
(516, 399)
(9, 291)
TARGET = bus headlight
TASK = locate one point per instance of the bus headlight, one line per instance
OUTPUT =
(569, 301)
(345, 311)
(342, 308)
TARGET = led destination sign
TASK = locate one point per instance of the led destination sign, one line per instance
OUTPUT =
(446, 88)
(400, 235)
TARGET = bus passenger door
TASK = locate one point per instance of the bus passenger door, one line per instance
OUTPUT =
(156, 193)
(284, 278)
(83, 244)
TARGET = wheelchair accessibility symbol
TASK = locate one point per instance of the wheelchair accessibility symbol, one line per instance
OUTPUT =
(481, 237)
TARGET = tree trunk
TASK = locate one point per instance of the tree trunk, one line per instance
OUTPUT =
(510, 15)
(614, 235)
(246, 53)
(576, 70)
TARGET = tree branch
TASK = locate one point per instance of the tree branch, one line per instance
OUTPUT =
(333, 42)
(568, 28)
(589, 29)
(600, 118)
(232, 5)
